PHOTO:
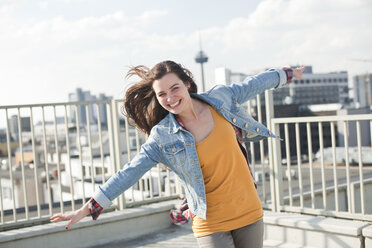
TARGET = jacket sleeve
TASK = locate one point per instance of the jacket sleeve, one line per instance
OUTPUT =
(148, 157)
(255, 85)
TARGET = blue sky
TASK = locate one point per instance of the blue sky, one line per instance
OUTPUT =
(48, 48)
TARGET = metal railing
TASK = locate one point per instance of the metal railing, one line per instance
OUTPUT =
(303, 183)
(64, 151)
(332, 192)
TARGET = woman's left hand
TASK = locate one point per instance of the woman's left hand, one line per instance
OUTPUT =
(297, 73)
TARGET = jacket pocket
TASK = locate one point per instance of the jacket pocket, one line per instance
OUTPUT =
(175, 153)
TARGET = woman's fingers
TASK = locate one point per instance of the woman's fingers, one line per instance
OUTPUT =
(61, 217)
(297, 73)
(58, 217)
(72, 217)
(301, 68)
(69, 224)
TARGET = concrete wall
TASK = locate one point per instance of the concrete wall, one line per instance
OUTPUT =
(127, 224)
(295, 230)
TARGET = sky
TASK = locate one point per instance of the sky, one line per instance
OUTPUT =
(49, 48)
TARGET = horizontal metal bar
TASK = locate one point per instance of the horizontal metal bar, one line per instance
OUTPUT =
(322, 118)
(54, 104)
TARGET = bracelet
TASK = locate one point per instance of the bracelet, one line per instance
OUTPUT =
(289, 73)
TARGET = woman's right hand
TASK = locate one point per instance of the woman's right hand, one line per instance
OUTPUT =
(72, 217)
(297, 73)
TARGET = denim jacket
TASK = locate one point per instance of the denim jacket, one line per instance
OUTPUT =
(173, 146)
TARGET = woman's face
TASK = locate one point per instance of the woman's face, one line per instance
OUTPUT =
(172, 93)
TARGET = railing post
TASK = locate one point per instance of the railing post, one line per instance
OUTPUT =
(119, 161)
(116, 145)
(274, 155)
(278, 173)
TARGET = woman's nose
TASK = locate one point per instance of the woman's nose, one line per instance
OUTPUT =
(169, 98)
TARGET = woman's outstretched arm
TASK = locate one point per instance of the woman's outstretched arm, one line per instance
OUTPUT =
(148, 157)
(257, 84)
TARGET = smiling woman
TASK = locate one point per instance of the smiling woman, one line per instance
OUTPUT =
(200, 137)
(147, 102)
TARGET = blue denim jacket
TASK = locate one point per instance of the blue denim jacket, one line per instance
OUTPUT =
(172, 145)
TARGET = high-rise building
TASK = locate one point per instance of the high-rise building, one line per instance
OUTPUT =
(83, 96)
(102, 108)
(77, 96)
(362, 87)
(13, 126)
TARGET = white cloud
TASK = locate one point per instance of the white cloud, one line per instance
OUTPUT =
(151, 14)
(61, 53)
(43, 4)
(313, 31)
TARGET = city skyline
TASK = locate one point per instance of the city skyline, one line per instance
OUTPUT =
(52, 47)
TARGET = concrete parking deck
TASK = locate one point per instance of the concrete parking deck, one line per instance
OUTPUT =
(175, 236)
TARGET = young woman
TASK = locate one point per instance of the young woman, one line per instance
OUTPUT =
(199, 137)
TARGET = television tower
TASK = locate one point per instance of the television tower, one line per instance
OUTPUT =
(201, 58)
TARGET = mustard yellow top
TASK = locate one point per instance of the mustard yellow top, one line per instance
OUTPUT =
(232, 199)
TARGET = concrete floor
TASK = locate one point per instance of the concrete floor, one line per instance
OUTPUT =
(175, 236)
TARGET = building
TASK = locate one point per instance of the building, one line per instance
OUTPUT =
(85, 96)
(103, 109)
(4, 145)
(315, 88)
(320, 88)
(2, 135)
(77, 96)
(226, 76)
(362, 85)
(365, 130)
(13, 126)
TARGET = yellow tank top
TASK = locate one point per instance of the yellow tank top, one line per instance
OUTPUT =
(232, 199)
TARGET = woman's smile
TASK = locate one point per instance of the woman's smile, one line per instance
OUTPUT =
(172, 93)
(174, 105)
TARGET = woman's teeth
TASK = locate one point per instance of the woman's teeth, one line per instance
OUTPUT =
(175, 104)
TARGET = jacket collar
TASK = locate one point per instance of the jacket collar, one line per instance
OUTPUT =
(174, 126)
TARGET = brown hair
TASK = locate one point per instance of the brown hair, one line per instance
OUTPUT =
(140, 103)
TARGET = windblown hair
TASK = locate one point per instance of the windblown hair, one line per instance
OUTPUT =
(140, 103)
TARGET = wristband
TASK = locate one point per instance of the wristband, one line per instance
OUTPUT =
(289, 73)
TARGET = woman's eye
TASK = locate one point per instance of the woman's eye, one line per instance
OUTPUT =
(175, 88)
